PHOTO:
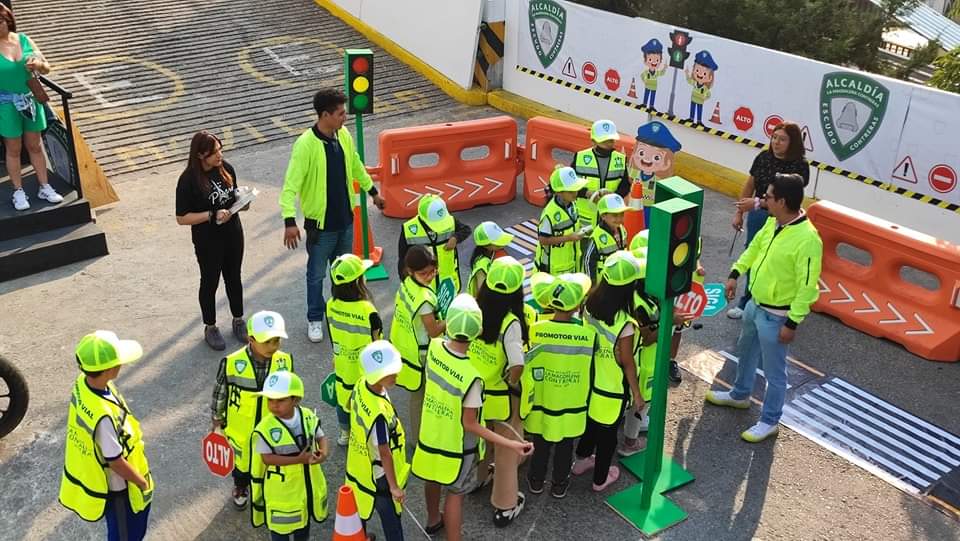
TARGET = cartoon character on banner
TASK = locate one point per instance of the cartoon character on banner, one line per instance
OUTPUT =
(655, 68)
(652, 160)
(701, 80)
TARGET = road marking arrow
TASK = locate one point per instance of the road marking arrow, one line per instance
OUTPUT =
(544, 182)
(873, 307)
(845, 292)
(495, 181)
(434, 190)
(416, 196)
(823, 285)
(926, 328)
(455, 187)
(900, 318)
(476, 185)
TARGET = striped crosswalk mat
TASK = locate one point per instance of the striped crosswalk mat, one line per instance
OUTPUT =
(523, 248)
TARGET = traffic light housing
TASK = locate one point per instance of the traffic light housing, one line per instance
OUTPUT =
(678, 187)
(358, 68)
(672, 253)
(679, 40)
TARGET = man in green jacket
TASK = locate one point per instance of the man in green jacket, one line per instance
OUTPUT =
(323, 165)
(784, 262)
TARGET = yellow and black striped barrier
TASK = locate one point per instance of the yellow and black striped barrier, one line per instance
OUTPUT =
(923, 198)
(489, 51)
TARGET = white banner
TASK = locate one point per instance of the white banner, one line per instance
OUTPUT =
(852, 121)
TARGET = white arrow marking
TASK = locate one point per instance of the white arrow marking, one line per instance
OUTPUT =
(495, 181)
(820, 282)
(845, 292)
(416, 196)
(544, 182)
(455, 187)
(926, 328)
(434, 190)
(475, 185)
(873, 307)
(900, 318)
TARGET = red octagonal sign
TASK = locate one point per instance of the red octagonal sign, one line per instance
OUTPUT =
(217, 454)
(770, 123)
(942, 178)
(693, 302)
(743, 118)
(589, 72)
(612, 79)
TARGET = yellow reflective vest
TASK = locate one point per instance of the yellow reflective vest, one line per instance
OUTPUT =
(559, 258)
(244, 407)
(482, 264)
(647, 354)
(587, 166)
(555, 385)
(610, 393)
(410, 298)
(601, 244)
(440, 454)
(367, 407)
(448, 261)
(490, 360)
(84, 484)
(285, 498)
(349, 333)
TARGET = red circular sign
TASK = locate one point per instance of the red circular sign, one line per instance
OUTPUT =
(612, 79)
(589, 72)
(770, 123)
(217, 454)
(693, 302)
(743, 118)
(942, 178)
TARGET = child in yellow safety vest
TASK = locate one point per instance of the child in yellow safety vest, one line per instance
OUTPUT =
(236, 407)
(377, 467)
(354, 323)
(558, 236)
(609, 235)
(105, 470)
(289, 488)
(490, 239)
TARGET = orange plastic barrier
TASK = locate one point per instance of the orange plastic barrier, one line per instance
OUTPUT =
(876, 299)
(462, 180)
(547, 140)
(376, 252)
(633, 220)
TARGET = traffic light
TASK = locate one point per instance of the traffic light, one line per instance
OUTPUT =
(672, 253)
(678, 48)
(358, 67)
(678, 187)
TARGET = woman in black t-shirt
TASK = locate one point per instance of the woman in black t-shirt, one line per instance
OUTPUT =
(205, 192)
(785, 155)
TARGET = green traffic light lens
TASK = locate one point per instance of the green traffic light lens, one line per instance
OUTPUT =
(679, 280)
(360, 102)
(361, 84)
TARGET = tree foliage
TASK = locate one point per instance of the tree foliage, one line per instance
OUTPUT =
(946, 76)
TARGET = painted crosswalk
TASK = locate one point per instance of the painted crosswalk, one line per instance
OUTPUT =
(523, 247)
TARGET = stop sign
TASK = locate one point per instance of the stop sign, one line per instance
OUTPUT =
(217, 454)
(692, 302)
(770, 123)
(743, 118)
(612, 79)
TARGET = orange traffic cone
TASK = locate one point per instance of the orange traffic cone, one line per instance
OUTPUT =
(633, 220)
(376, 252)
(633, 88)
(715, 119)
(348, 526)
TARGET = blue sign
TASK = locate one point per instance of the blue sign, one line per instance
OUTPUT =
(716, 299)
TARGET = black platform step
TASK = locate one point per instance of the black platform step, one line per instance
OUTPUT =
(41, 216)
(50, 249)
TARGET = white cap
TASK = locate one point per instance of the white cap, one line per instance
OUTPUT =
(379, 360)
(565, 179)
(265, 325)
(281, 385)
(604, 130)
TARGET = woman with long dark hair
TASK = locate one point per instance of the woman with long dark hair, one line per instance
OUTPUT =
(489, 239)
(205, 192)
(497, 354)
(785, 155)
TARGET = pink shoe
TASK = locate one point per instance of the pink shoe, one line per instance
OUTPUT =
(583, 465)
(612, 477)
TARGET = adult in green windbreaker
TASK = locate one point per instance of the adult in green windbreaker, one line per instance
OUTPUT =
(784, 263)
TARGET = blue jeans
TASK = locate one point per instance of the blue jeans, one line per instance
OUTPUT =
(760, 341)
(343, 417)
(649, 97)
(389, 519)
(322, 248)
(696, 112)
(122, 523)
(755, 220)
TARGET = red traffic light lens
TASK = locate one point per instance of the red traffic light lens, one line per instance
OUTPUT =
(360, 64)
(682, 226)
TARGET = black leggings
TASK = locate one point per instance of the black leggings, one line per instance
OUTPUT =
(603, 440)
(220, 254)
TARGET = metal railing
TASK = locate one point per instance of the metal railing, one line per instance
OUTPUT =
(65, 97)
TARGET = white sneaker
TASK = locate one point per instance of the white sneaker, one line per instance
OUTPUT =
(759, 432)
(343, 438)
(315, 331)
(735, 313)
(20, 201)
(723, 398)
(47, 193)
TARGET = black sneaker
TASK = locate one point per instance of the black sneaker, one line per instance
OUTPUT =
(213, 338)
(559, 490)
(434, 528)
(535, 485)
(503, 517)
(675, 376)
(240, 329)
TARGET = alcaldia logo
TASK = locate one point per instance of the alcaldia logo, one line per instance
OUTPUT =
(548, 26)
(852, 107)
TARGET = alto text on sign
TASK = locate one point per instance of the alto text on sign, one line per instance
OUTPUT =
(743, 118)
(217, 454)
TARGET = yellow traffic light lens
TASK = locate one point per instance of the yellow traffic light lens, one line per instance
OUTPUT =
(680, 254)
(361, 84)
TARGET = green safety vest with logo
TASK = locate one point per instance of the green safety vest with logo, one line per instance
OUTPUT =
(410, 298)
(367, 407)
(559, 258)
(287, 497)
(603, 243)
(649, 78)
(698, 93)
(610, 393)
(440, 453)
(647, 355)
(555, 385)
(587, 166)
(244, 407)
(448, 261)
(349, 333)
(490, 360)
(482, 264)
(84, 485)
